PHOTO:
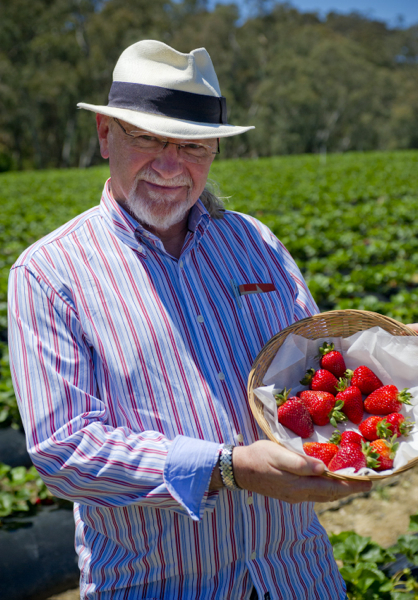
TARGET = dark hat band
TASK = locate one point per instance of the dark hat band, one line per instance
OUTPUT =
(169, 103)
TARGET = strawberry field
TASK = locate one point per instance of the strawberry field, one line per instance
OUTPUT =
(350, 222)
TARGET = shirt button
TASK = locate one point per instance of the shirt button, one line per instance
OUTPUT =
(200, 318)
(240, 438)
(253, 556)
(221, 376)
(250, 500)
(181, 264)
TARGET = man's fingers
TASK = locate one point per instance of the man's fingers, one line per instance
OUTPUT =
(304, 466)
(413, 326)
(272, 470)
(323, 489)
(331, 489)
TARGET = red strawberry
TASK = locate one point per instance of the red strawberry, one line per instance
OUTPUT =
(293, 414)
(331, 359)
(386, 450)
(399, 425)
(374, 428)
(346, 437)
(353, 401)
(351, 437)
(350, 455)
(364, 378)
(322, 407)
(323, 451)
(386, 399)
(320, 381)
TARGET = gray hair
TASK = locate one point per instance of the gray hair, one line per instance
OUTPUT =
(211, 200)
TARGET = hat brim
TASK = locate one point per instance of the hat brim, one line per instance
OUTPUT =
(167, 126)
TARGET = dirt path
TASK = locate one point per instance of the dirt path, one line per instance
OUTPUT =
(390, 502)
(383, 514)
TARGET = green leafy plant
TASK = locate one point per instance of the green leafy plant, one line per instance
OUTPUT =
(362, 561)
(21, 490)
(360, 558)
(9, 412)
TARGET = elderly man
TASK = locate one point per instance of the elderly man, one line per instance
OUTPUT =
(132, 334)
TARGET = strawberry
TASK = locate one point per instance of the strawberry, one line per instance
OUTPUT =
(386, 449)
(350, 455)
(399, 425)
(293, 414)
(320, 381)
(323, 451)
(364, 378)
(374, 428)
(386, 399)
(353, 401)
(331, 359)
(322, 407)
(346, 437)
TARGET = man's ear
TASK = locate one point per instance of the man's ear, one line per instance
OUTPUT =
(102, 123)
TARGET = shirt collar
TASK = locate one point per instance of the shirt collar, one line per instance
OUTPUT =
(119, 221)
(129, 231)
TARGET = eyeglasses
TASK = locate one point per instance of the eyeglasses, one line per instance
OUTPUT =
(150, 144)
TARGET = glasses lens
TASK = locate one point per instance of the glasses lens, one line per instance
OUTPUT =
(147, 143)
(195, 152)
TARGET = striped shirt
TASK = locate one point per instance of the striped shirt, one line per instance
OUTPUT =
(130, 368)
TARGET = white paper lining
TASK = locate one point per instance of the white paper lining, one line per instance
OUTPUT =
(394, 359)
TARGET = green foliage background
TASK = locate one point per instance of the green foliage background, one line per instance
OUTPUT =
(308, 85)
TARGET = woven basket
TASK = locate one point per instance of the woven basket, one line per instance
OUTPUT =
(335, 323)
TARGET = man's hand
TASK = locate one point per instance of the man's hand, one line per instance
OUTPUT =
(413, 326)
(271, 470)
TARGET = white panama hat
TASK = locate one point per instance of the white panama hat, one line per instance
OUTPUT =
(168, 93)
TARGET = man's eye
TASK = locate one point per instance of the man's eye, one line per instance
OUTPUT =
(146, 138)
(194, 147)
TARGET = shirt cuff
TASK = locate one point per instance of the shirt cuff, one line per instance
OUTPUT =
(188, 470)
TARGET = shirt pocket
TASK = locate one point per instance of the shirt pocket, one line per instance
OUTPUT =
(265, 314)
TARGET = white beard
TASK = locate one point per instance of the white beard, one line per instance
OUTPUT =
(159, 210)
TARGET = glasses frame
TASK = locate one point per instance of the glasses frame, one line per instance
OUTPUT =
(164, 140)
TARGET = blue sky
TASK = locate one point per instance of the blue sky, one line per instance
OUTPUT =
(383, 10)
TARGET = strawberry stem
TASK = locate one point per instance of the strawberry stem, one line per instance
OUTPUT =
(404, 396)
(349, 374)
(326, 348)
(335, 437)
(306, 380)
(282, 396)
(336, 415)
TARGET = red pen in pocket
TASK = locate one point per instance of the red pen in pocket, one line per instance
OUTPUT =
(250, 288)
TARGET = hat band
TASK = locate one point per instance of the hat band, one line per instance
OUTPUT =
(169, 103)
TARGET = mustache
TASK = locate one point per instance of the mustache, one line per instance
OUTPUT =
(149, 175)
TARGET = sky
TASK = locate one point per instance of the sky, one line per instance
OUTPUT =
(382, 10)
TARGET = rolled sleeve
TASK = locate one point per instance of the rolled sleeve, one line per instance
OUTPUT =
(188, 469)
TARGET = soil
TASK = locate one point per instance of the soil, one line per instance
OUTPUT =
(383, 514)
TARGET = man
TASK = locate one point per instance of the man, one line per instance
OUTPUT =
(132, 337)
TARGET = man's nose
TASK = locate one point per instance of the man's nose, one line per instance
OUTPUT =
(168, 163)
